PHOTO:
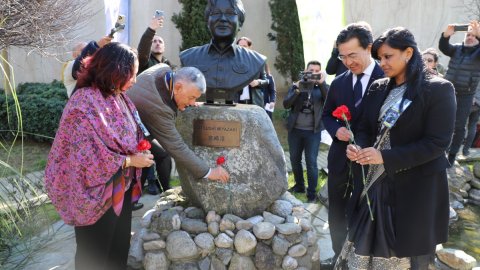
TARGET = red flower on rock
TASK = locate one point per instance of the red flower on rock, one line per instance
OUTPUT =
(144, 145)
(220, 160)
(342, 113)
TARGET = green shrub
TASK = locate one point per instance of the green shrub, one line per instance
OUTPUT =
(191, 23)
(41, 107)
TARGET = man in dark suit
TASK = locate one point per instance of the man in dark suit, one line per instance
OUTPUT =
(354, 45)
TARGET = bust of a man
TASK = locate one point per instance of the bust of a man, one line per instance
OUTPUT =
(227, 67)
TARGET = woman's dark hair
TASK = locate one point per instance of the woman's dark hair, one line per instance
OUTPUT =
(401, 38)
(108, 69)
(432, 52)
(236, 4)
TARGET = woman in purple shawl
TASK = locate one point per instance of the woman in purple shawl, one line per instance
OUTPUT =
(93, 167)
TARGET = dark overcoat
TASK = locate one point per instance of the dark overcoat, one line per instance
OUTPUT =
(416, 162)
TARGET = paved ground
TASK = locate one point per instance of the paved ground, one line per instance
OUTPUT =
(58, 252)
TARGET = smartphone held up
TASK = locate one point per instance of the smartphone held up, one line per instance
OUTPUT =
(460, 27)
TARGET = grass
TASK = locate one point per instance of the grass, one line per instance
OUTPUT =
(34, 159)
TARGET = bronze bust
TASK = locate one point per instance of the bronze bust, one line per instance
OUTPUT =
(227, 67)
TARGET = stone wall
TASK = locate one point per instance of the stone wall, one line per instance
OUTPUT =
(176, 236)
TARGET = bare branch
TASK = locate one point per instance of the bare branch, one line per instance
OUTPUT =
(41, 24)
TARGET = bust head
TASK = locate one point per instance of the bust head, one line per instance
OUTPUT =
(224, 19)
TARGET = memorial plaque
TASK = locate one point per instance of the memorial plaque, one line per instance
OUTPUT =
(215, 133)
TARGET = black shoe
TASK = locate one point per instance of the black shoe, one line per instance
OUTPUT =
(137, 206)
(297, 189)
(152, 188)
(312, 199)
(466, 153)
(328, 264)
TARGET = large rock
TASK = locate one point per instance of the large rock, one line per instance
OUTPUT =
(156, 261)
(264, 257)
(181, 247)
(240, 262)
(258, 174)
(474, 194)
(456, 259)
(458, 176)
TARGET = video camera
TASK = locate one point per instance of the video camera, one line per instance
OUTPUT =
(119, 25)
(307, 80)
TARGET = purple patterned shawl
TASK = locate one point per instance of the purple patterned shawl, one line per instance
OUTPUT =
(90, 146)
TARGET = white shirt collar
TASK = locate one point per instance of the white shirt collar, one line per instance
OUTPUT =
(369, 70)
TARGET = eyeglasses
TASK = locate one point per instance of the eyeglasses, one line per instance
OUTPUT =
(352, 56)
(216, 14)
(428, 60)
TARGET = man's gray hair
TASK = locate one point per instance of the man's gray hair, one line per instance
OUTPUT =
(192, 75)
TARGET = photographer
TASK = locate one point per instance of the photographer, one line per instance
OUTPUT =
(305, 99)
(151, 47)
(464, 73)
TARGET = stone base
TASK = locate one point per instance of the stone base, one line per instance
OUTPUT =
(176, 236)
(257, 168)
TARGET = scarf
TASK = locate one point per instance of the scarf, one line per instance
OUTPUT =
(84, 169)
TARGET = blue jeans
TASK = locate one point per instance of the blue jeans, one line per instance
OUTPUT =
(464, 104)
(471, 128)
(308, 141)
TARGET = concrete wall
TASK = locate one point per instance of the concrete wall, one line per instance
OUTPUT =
(426, 19)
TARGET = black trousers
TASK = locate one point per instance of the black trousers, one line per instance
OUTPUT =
(163, 165)
(105, 244)
(338, 195)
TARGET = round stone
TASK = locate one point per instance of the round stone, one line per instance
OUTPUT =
(264, 230)
(245, 242)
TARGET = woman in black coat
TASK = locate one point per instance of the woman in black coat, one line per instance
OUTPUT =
(405, 130)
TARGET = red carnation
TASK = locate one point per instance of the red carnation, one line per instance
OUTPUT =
(144, 145)
(220, 160)
(342, 113)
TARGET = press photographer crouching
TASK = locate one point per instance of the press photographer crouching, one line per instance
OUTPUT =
(305, 100)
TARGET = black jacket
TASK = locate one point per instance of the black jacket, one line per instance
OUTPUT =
(145, 57)
(464, 66)
(416, 163)
(341, 93)
(294, 101)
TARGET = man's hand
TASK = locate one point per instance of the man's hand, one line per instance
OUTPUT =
(219, 174)
(475, 28)
(449, 31)
(156, 23)
(323, 76)
(104, 41)
(343, 134)
(271, 105)
(254, 83)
